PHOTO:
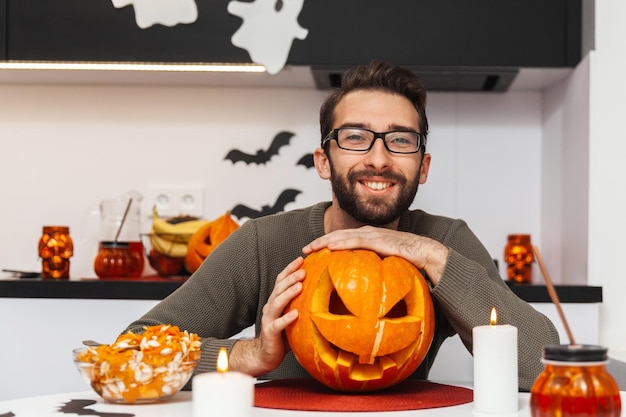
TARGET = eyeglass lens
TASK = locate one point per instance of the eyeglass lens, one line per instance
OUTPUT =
(361, 139)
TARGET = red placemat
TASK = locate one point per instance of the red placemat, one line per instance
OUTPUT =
(310, 395)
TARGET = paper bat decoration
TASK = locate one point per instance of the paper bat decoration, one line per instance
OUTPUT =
(262, 156)
(306, 161)
(78, 407)
(286, 196)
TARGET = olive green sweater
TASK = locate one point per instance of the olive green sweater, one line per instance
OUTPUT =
(228, 292)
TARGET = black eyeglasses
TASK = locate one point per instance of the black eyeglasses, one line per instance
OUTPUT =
(361, 140)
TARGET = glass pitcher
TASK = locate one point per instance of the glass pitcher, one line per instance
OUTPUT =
(111, 214)
(99, 223)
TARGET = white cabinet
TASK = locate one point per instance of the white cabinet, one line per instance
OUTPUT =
(38, 336)
(454, 362)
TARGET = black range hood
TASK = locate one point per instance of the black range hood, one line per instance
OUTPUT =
(453, 45)
(491, 79)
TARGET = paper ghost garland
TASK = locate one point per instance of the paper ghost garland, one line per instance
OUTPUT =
(165, 12)
(268, 31)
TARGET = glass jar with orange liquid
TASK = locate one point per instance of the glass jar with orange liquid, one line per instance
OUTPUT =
(116, 259)
(113, 230)
(575, 383)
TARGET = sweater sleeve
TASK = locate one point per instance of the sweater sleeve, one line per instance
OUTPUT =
(227, 293)
(218, 301)
(471, 286)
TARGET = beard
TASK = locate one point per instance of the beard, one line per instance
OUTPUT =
(375, 211)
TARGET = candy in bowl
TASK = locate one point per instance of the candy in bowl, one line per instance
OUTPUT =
(141, 368)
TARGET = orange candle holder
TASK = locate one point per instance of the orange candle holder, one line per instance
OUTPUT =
(519, 256)
(55, 250)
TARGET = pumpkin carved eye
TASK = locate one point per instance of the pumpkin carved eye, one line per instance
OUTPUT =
(336, 306)
(365, 322)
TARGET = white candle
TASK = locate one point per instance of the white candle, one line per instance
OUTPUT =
(495, 368)
(222, 393)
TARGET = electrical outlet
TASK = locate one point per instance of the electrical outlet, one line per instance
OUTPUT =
(173, 200)
(189, 199)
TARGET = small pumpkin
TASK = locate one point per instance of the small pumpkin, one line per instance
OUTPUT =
(365, 323)
(206, 239)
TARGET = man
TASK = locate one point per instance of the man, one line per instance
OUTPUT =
(251, 277)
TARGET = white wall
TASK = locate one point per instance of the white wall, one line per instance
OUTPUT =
(64, 148)
(565, 173)
(607, 170)
(486, 164)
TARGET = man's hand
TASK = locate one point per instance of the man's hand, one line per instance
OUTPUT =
(423, 252)
(263, 354)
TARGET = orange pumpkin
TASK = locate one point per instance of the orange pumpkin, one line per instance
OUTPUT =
(364, 323)
(206, 239)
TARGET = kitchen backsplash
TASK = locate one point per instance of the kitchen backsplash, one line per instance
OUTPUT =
(66, 148)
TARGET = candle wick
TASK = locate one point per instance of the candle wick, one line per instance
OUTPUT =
(553, 294)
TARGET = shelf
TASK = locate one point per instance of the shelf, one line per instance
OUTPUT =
(144, 288)
(567, 293)
(156, 288)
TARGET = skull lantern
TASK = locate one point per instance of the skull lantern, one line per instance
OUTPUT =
(365, 323)
(518, 255)
(55, 249)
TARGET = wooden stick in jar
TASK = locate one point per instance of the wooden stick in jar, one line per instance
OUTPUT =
(553, 295)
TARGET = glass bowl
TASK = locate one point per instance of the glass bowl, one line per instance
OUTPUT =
(132, 372)
(119, 383)
(165, 253)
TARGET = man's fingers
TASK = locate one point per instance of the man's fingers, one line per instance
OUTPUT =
(283, 293)
(281, 323)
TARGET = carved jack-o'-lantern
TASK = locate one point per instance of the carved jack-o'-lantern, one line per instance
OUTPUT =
(206, 239)
(365, 323)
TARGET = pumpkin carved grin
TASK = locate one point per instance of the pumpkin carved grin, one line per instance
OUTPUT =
(370, 320)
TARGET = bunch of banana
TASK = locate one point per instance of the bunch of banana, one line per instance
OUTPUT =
(171, 236)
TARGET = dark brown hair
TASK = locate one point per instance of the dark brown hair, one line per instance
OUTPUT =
(376, 76)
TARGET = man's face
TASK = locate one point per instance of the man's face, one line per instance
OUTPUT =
(375, 187)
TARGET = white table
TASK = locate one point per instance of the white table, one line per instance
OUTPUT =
(180, 405)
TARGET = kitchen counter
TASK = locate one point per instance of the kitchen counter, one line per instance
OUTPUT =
(143, 288)
(156, 288)
(99, 309)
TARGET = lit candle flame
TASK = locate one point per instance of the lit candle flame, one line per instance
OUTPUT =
(494, 317)
(222, 360)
